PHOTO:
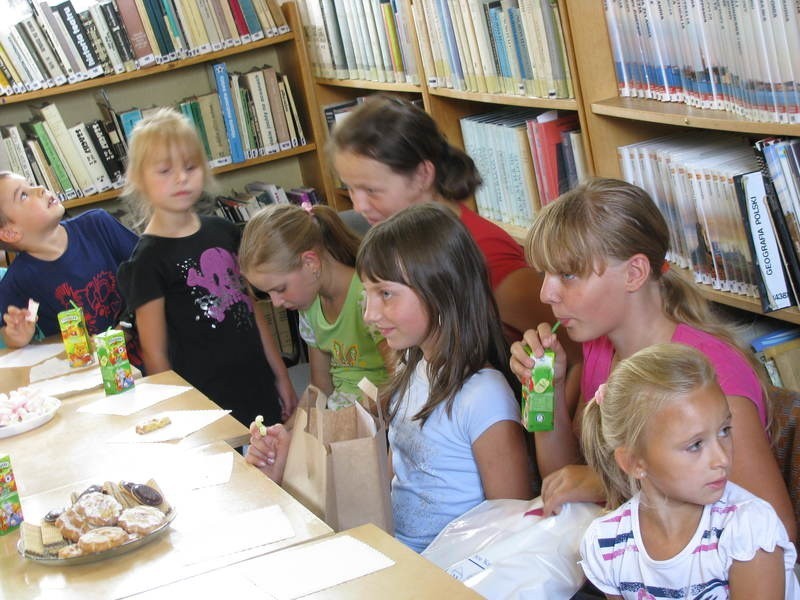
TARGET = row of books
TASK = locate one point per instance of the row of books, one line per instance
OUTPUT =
(526, 158)
(495, 46)
(360, 39)
(251, 114)
(742, 57)
(44, 44)
(240, 207)
(727, 223)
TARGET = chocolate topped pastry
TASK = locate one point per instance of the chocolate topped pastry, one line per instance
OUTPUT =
(53, 515)
(143, 493)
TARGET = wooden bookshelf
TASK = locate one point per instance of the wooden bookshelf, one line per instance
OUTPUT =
(164, 83)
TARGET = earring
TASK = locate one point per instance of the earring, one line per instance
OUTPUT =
(642, 474)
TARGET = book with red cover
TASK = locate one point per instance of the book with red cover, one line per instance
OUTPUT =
(548, 161)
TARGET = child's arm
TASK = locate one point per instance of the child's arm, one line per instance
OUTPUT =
(18, 331)
(151, 323)
(762, 577)
(502, 461)
(320, 367)
(282, 382)
(754, 465)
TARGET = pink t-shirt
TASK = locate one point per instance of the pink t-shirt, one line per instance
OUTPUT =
(735, 375)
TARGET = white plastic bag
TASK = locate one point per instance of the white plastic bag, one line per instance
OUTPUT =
(504, 549)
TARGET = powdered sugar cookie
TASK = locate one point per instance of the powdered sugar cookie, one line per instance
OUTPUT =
(102, 538)
(141, 519)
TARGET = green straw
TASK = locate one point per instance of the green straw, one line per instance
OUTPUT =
(556, 325)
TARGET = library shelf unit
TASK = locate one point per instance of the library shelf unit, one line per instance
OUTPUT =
(169, 82)
(447, 106)
(614, 121)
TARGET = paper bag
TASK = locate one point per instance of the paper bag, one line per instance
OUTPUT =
(337, 465)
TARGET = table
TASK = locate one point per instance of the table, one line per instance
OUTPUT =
(76, 441)
(412, 576)
(214, 527)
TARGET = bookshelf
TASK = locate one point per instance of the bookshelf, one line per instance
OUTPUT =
(445, 104)
(614, 121)
(168, 83)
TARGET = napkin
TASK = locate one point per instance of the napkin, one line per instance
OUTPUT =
(142, 396)
(183, 423)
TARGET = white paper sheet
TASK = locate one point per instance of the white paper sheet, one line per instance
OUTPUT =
(142, 396)
(80, 381)
(306, 569)
(55, 367)
(30, 355)
(183, 423)
(235, 533)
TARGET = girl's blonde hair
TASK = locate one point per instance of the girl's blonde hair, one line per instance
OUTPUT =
(604, 219)
(162, 134)
(278, 235)
(638, 388)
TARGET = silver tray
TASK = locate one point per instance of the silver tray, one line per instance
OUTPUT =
(97, 556)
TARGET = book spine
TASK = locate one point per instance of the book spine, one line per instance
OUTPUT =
(773, 288)
(266, 125)
(91, 161)
(107, 39)
(265, 17)
(55, 39)
(174, 29)
(295, 115)
(143, 51)
(119, 36)
(227, 24)
(215, 128)
(74, 28)
(239, 20)
(287, 113)
(105, 151)
(19, 150)
(251, 18)
(276, 109)
(156, 16)
(27, 67)
(278, 16)
(228, 112)
(96, 41)
(59, 134)
(43, 49)
(54, 159)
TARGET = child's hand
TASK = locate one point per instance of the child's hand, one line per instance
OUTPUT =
(288, 397)
(535, 341)
(18, 331)
(268, 452)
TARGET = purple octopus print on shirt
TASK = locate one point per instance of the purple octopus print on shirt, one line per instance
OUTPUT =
(223, 290)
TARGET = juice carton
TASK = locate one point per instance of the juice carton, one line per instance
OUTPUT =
(10, 507)
(76, 338)
(537, 395)
(115, 367)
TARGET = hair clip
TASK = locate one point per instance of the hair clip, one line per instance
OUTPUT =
(600, 394)
(306, 206)
(664, 267)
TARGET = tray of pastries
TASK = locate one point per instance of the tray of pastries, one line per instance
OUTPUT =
(100, 522)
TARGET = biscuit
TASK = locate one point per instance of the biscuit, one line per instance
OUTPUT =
(71, 551)
(102, 538)
(152, 424)
(51, 536)
(164, 506)
(141, 519)
(71, 524)
(32, 539)
(99, 510)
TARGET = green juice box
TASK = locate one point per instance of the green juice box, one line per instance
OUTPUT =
(77, 343)
(537, 394)
(10, 506)
(115, 367)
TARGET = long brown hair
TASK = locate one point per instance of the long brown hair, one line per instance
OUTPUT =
(402, 136)
(427, 248)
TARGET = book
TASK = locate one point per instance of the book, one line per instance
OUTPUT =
(254, 25)
(17, 53)
(42, 46)
(239, 20)
(190, 107)
(254, 81)
(119, 35)
(37, 128)
(75, 29)
(545, 135)
(773, 283)
(298, 125)
(228, 112)
(286, 105)
(96, 41)
(175, 29)
(56, 39)
(209, 19)
(265, 18)
(214, 125)
(128, 119)
(143, 51)
(91, 160)
(276, 108)
(16, 151)
(277, 16)
(154, 12)
(37, 156)
(107, 40)
(112, 122)
(103, 145)
(62, 140)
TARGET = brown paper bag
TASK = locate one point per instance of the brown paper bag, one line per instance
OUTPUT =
(337, 465)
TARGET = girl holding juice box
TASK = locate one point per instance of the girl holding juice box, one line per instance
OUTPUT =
(304, 258)
(454, 427)
(602, 247)
(659, 435)
(193, 312)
